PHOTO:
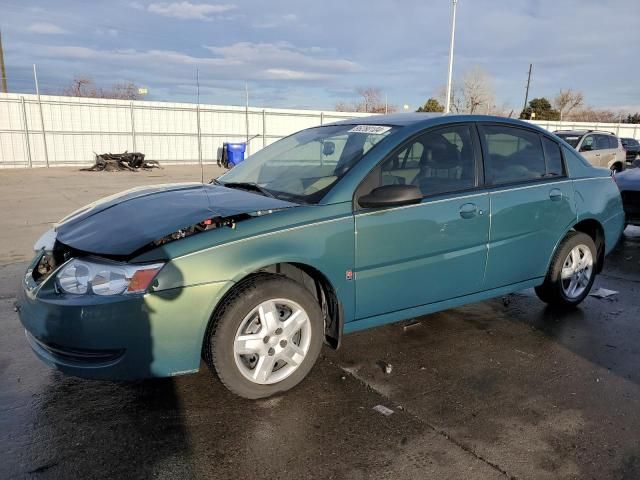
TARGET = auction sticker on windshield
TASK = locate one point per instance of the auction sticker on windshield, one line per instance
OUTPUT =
(371, 129)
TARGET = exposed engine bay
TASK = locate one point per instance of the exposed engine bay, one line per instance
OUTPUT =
(209, 224)
(60, 253)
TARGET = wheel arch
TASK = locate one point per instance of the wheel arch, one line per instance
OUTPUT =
(312, 278)
(594, 229)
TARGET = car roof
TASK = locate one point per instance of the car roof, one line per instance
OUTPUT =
(426, 119)
(582, 132)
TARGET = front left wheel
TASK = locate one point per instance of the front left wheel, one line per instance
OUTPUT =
(266, 337)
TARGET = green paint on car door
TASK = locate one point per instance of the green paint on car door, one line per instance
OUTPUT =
(426, 253)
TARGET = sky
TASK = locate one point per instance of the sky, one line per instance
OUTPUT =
(313, 54)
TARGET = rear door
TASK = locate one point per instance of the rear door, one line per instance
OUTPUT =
(604, 150)
(435, 250)
(531, 200)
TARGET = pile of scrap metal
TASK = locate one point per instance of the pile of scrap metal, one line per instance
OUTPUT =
(112, 162)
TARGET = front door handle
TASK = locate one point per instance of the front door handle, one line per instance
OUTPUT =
(468, 210)
(555, 194)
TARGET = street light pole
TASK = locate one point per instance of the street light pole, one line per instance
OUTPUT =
(447, 107)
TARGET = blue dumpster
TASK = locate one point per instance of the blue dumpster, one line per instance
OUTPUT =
(233, 153)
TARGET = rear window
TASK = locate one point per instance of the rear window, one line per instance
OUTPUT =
(613, 142)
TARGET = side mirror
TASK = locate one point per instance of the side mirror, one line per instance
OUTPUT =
(328, 148)
(586, 148)
(391, 196)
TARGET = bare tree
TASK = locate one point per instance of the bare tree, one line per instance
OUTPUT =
(590, 114)
(83, 86)
(370, 101)
(477, 91)
(473, 94)
(566, 101)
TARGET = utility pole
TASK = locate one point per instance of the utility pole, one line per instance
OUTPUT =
(447, 107)
(246, 115)
(526, 94)
(3, 71)
(44, 135)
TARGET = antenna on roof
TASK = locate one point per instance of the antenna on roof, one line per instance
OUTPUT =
(198, 123)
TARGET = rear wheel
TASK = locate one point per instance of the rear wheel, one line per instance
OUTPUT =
(571, 273)
(266, 337)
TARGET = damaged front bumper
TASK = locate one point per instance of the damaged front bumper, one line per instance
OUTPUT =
(118, 337)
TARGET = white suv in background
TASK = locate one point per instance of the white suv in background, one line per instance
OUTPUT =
(601, 149)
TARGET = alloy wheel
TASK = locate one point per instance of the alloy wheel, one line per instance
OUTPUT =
(272, 341)
(577, 271)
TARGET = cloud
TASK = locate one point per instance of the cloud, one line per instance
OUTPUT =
(275, 21)
(188, 11)
(283, 56)
(286, 74)
(245, 60)
(46, 29)
(111, 32)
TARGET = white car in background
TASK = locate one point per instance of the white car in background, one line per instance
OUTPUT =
(601, 149)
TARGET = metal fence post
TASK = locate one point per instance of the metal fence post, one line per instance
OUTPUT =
(133, 127)
(26, 132)
(264, 128)
(321, 118)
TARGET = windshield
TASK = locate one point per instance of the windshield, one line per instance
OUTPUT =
(304, 166)
(571, 138)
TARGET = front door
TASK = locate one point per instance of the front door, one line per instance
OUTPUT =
(435, 250)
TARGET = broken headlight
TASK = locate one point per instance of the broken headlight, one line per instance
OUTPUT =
(105, 278)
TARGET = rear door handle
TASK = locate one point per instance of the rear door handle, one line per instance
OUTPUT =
(469, 210)
(555, 194)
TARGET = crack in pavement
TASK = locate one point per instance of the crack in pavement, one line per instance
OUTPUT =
(435, 429)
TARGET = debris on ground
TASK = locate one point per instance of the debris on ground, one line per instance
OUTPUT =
(383, 410)
(115, 162)
(386, 367)
(411, 325)
(506, 301)
(603, 293)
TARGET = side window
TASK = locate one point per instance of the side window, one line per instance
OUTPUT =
(512, 154)
(588, 142)
(613, 142)
(602, 142)
(553, 157)
(439, 161)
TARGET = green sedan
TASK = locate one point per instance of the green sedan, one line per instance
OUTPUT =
(331, 230)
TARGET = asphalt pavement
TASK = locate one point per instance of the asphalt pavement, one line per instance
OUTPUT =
(505, 388)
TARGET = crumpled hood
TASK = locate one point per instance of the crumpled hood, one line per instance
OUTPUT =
(123, 223)
(629, 179)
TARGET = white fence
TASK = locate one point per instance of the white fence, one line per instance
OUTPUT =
(67, 130)
(60, 131)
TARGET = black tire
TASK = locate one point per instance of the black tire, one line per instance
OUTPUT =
(246, 296)
(552, 291)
